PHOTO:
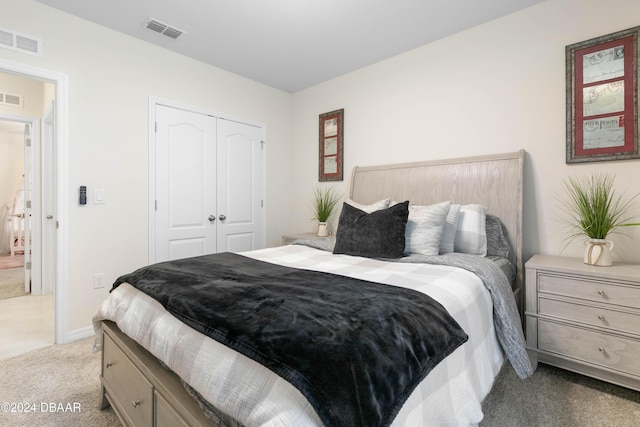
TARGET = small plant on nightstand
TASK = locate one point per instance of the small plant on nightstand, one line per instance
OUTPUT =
(325, 200)
(595, 211)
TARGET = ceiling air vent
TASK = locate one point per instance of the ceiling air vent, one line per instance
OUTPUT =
(162, 28)
(20, 42)
(11, 100)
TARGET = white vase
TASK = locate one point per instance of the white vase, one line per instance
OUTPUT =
(598, 252)
(323, 230)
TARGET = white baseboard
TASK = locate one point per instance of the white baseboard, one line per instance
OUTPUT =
(79, 334)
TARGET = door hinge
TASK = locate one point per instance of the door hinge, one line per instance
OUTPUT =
(156, 127)
(27, 266)
(262, 203)
(156, 205)
(262, 144)
(27, 142)
(27, 204)
(57, 225)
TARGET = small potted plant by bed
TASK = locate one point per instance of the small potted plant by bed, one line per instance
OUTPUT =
(325, 200)
(595, 211)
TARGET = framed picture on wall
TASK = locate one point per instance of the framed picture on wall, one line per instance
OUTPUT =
(602, 98)
(331, 134)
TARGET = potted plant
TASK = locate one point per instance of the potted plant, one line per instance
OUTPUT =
(595, 211)
(325, 200)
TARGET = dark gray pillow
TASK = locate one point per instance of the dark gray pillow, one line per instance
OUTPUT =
(379, 234)
(497, 243)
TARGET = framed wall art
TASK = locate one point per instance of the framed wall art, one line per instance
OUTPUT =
(602, 98)
(331, 131)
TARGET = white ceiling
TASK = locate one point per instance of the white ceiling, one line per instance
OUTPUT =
(292, 44)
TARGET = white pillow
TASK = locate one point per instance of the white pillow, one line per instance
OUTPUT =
(471, 231)
(449, 231)
(424, 228)
(377, 206)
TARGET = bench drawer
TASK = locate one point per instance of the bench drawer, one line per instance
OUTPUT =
(133, 392)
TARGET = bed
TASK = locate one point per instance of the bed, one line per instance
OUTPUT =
(473, 319)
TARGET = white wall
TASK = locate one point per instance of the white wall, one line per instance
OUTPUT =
(495, 88)
(11, 166)
(498, 87)
(31, 90)
(111, 77)
(12, 142)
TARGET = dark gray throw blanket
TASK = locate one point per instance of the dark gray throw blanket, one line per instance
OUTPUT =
(506, 317)
(355, 349)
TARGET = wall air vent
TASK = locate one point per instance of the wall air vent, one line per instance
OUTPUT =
(11, 100)
(162, 28)
(20, 42)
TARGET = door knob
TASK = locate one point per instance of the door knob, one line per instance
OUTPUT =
(49, 216)
(222, 217)
(212, 218)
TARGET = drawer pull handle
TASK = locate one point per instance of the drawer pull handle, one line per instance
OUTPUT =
(601, 317)
(601, 292)
(602, 350)
(108, 365)
(135, 403)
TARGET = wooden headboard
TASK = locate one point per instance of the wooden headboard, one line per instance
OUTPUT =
(495, 181)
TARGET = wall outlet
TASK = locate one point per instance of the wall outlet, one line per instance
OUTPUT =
(98, 280)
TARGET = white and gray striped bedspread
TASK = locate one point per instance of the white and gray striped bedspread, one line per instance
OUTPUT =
(451, 395)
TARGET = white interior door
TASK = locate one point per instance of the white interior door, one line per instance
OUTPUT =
(27, 208)
(240, 187)
(35, 196)
(49, 221)
(185, 192)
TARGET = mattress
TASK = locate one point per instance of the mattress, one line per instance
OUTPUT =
(243, 389)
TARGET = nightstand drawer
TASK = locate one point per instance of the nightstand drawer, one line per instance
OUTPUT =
(595, 316)
(128, 383)
(602, 349)
(592, 290)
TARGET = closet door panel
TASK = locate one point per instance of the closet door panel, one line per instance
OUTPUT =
(185, 184)
(239, 189)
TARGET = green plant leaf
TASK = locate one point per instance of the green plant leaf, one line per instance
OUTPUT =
(325, 200)
(594, 209)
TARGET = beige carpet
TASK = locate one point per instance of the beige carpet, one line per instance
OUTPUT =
(553, 397)
(60, 383)
(12, 283)
(68, 375)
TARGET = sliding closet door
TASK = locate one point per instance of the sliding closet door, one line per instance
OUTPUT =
(185, 190)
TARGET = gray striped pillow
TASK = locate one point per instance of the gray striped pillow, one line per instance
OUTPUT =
(471, 231)
(424, 228)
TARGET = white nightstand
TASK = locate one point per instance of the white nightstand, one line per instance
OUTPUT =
(584, 318)
(288, 238)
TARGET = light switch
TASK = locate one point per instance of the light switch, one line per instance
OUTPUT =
(98, 196)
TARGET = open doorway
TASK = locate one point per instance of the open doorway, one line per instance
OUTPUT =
(12, 210)
(27, 301)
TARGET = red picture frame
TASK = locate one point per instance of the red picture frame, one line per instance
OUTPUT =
(602, 98)
(331, 136)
